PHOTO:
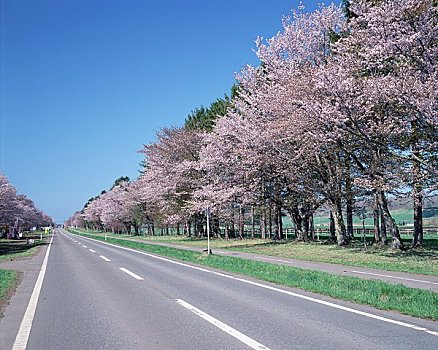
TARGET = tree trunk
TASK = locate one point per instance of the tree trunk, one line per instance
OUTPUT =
(376, 218)
(188, 228)
(397, 243)
(270, 219)
(384, 237)
(349, 197)
(262, 223)
(417, 239)
(306, 227)
(341, 232)
(312, 227)
(332, 230)
(363, 231)
(278, 223)
(295, 215)
(216, 229)
(199, 225)
(417, 192)
(241, 222)
(252, 222)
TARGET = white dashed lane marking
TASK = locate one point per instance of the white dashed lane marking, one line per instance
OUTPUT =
(222, 326)
(132, 274)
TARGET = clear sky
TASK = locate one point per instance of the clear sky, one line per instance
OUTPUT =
(85, 83)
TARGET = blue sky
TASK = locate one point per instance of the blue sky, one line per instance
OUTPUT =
(85, 83)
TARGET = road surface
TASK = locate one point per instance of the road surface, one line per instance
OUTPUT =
(97, 296)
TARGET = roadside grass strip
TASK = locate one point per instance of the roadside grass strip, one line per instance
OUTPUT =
(8, 280)
(18, 249)
(378, 294)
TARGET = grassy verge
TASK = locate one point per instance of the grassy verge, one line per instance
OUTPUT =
(381, 295)
(14, 249)
(8, 280)
(420, 260)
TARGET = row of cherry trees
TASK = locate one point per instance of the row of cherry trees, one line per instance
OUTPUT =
(342, 109)
(18, 212)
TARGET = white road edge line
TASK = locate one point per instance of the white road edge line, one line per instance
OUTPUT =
(323, 302)
(91, 250)
(22, 337)
(399, 278)
(104, 258)
(132, 274)
(222, 326)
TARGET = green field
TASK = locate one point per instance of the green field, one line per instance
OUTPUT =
(403, 218)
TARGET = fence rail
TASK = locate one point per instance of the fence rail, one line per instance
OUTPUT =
(289, 233)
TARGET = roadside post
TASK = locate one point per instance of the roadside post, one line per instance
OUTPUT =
(207, 213)
(46, 231)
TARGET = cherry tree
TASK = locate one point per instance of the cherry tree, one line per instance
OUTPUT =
(171, 175)
(382, 81)
(8, 201)
(17, 211)
(279, 96)
(77, 220)
(91, 214)
(141, 210)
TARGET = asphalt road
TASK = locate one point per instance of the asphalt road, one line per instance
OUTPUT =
(96, 296)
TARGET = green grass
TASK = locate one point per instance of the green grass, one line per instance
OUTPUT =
(422, 260)
(8, 280)
(381, 295)
(14, 249)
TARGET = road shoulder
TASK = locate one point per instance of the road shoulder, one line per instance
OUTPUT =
(28, 268)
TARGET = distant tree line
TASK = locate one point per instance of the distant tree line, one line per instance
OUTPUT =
(17, 212)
